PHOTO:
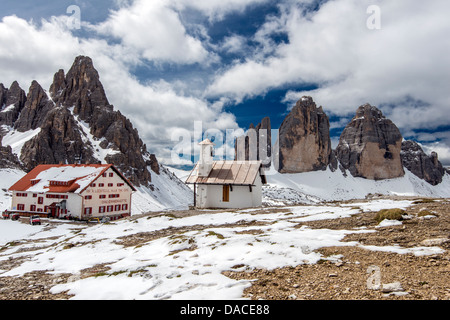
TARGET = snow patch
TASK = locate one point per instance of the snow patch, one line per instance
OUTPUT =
(17, 139)
(188, 265)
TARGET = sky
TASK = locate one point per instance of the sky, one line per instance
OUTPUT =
(174, 66)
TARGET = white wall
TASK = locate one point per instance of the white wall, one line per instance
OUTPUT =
(73, 202)
(211, 196)
(74, 205)
(95, 203)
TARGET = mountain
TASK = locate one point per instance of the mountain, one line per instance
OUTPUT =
(304, 143)
(328, 185)
(428, 168)
(262, 134)
(370, 146)
(371, 155)
(74, 122)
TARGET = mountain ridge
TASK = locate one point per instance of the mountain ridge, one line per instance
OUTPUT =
(75, 123)
(370, 146)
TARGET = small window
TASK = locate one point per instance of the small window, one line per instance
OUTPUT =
(110, 184)
(101, 184)
(111, 174)
(125, 207)
(110, 208)
(88, 197)
(102, 196)
(21, 207)
(101, 209)
(120, 184)
(87, 211)
(226, 194)
(33, 208)
(117, 208)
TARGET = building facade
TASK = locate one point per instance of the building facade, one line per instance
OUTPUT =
(76, 191)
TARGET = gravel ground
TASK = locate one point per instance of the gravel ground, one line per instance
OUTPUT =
(344, 273)
(421, 278)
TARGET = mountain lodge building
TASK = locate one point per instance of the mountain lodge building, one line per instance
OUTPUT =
(77, 191)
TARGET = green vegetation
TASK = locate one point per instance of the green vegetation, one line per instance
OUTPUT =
(423, 201)
(424, 213)
(390, 214)
(68, 246)
(218, 235)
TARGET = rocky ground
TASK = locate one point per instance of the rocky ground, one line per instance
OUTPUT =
(344, 273)
(421, 278)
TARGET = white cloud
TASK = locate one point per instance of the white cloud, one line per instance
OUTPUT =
(234, 44)
(155, 31)
(354, 65)
(29, 51)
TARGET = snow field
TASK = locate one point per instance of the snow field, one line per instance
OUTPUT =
(185, 265)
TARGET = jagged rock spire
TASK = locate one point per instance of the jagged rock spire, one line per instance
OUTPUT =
(370, 146)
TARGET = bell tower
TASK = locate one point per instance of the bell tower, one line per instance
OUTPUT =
(206, 158)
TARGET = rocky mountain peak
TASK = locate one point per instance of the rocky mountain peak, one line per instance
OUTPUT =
(368, 111)
(304, 142)
(80, 88)
(58, 85)
(370, 146)
(257, 144)
(12, 101)
(76, 121)
(35, 109)
(423, 166)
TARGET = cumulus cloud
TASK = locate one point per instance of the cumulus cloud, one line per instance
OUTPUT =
(29, 51)
(155, 31)
(401, 64)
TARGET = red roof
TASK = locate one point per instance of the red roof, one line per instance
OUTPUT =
(70, 183)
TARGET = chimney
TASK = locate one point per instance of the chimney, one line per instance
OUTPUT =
(206, 158)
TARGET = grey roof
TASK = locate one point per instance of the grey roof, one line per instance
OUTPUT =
(228, 173)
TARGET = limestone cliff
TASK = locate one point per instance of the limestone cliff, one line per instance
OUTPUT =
(304, 143)
(370, 146)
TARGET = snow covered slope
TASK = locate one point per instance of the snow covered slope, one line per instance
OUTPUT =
(320, 186)
(329, 186)
(7, 178)
(169, 193)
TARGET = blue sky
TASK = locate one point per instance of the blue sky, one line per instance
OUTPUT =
(168, 63)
